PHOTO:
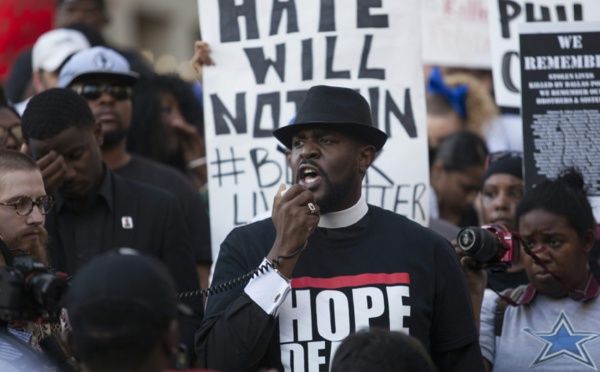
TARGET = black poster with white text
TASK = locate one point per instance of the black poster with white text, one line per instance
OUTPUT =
(560, 77)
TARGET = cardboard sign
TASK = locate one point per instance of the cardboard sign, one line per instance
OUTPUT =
(560, 76)
(456, 33)
(505, 17)
(268, 54)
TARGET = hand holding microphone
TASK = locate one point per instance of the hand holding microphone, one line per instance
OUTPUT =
(295, 216)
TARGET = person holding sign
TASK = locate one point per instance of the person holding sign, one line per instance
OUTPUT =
(329, 264)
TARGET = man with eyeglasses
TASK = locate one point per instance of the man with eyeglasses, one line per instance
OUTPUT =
(97, 210)
(23, 206)
(104, 78)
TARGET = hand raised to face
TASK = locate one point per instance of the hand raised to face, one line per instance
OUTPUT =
(295, 216)
(53, 169)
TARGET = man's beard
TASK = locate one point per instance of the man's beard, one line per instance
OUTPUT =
(113, 138)
(34, 248)
(334, 192)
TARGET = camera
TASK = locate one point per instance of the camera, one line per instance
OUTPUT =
(29, 291)
(493, 245)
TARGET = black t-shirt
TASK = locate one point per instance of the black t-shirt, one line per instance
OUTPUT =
(385, 271)
(171, 180)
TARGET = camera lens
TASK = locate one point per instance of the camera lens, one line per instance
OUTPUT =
(466, 239)
(48, 290)
(478, 243)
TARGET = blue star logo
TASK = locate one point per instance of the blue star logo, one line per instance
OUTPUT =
(562, 340)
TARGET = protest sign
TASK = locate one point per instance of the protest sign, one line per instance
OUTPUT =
(268, 54)
(560, 76)
(505, 17)
(456, 33)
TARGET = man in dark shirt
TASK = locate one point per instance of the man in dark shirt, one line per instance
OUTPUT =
(97, 210)
(103, 77)
(330, 264)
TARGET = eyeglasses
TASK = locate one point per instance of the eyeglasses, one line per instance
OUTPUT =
(24, 205)
(501, 155)
(14, 131)
(94, 91)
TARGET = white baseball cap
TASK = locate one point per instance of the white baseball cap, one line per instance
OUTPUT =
(53, 48)
(97, 62)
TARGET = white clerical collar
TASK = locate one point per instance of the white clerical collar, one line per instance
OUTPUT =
(347, 217)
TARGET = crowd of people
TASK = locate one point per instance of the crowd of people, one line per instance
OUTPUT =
(104, 184)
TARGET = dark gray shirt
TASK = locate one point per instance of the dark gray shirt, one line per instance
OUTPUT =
(85, 226)
(170, 179)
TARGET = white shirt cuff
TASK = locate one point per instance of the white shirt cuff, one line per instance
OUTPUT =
(268, 290)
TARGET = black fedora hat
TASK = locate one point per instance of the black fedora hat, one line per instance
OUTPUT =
(342, 109)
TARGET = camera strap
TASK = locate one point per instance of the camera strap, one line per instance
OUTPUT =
(510, 298)
(541, 263)
(502, 303)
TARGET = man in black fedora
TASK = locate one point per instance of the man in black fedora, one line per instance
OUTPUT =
(330, 264)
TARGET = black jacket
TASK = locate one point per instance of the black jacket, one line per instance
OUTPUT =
(158, 229)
